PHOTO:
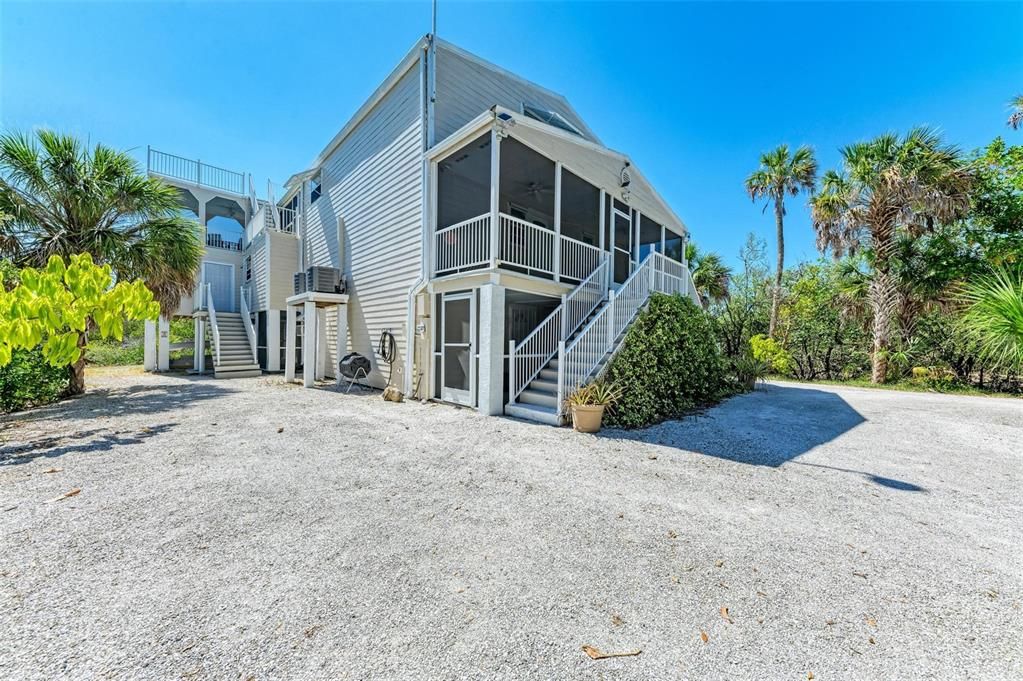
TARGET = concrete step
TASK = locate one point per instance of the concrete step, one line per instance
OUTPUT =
(237, 372)
(544, 386)
(532, 412)
(538, 398)
(547, 374)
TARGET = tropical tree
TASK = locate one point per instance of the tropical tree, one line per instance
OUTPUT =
(781, 174)
(994, 315)
(710, 274)
(56, 306)
(1016, 118)
(65, 198)
(889, 188)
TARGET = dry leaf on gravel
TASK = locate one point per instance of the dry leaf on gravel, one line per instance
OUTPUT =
(725, 615)
(719, 563)
(53, 470)
(672, 534)
(596, 654)
(871, 621)
(617, 621)
(281, 429)
(65, 495)
(704, 637)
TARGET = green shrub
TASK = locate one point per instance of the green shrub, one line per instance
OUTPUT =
(106, 352)
(770, 352)
(29, 380)
(669, 363)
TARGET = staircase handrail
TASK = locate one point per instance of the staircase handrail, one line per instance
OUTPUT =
(250, 330)
(540, 346)
(214, 329)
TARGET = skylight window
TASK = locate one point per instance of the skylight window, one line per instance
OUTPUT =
(550, 118)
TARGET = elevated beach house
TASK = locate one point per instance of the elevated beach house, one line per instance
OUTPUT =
(465, 231)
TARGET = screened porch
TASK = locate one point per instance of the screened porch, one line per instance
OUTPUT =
(503, 204)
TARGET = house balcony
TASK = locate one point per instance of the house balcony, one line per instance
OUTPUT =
(194, 172)
(513, 244)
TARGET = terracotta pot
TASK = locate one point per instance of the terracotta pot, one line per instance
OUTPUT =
(586, 418)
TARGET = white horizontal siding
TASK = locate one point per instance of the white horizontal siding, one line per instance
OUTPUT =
(260, 274)
(368, 220)
(465, 89)
(283, 259)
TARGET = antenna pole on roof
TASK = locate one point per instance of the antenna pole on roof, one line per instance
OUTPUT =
(433, 27)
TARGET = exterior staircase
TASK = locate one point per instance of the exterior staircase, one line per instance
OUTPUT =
(574, 344)
(235, 356)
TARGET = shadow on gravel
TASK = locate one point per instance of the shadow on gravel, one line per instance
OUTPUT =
(770, 426)
(93, 440)
(136, 399)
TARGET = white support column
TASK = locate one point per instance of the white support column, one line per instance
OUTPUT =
(149, 346)
(163, 344)
(309, 336)
(342, 332)
(557, 221)
(491, 334)
(495, 196)
(273, 340)
(196, 345)
(322, 354)
(290, 336)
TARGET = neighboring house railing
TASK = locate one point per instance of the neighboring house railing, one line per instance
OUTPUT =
(578, 359)
(215, 240)
(537, 250)
(288, 219)
(214, 329)
(250, 330)
(527, 359)
(194, 172)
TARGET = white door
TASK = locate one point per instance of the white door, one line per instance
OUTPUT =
(458, 348)
(220, 277)
(621, 247)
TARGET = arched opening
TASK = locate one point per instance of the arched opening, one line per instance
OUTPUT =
(225, 224)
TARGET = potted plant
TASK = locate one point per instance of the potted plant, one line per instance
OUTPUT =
(588, 402)
(748, 370)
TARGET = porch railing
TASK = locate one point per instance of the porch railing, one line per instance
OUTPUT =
(466, 246)
(194, 172)
(215, 240)
(288, 219)
(462, 246)
(527, 359)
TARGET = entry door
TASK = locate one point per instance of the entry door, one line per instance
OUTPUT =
(458, 348)
(621, 251)
(220, 277)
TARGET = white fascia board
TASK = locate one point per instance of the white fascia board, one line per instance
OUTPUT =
(463, 134)
(480, 61)
(410, 60)
(523, 120)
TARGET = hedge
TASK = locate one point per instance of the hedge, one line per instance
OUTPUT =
(668, 364)
(29, 380)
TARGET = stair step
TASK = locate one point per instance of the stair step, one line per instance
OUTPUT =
(548, 375)
(538, 398)
(544, 386)
(533, 412)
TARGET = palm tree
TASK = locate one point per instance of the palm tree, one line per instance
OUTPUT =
(1016, 118)
(64, 198)
(781, 174)
(889, 189)
(710, 274)
(994, 315)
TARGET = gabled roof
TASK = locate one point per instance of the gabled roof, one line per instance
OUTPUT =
(440, 42)
(410, 59)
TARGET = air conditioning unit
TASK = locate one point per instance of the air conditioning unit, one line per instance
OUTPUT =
(319, 280)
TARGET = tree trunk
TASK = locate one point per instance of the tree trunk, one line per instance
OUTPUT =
(779, 218)
(883, 299)
(76, 372)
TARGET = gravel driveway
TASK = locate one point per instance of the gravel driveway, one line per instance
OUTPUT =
(849, 533)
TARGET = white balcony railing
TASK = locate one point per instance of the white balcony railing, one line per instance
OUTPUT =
(520, 244)
(194, 172)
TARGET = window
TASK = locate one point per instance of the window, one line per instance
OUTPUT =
(550, 118)
(315, 189)
(248, 267)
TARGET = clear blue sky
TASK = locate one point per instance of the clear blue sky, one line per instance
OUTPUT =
(693, 92)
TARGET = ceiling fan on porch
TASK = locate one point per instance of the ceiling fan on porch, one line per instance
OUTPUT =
(534, 189)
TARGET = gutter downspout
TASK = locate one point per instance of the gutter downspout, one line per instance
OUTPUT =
(428, 97)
